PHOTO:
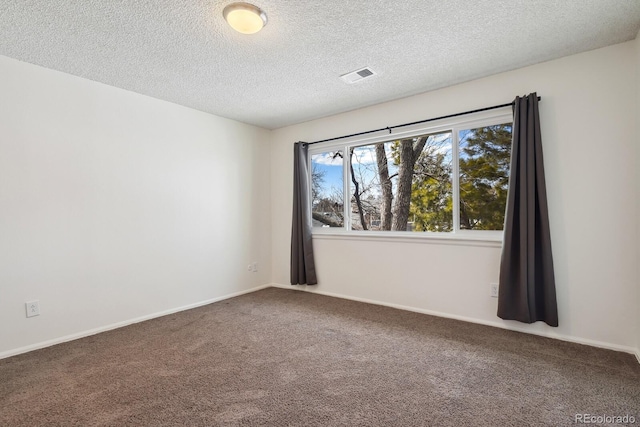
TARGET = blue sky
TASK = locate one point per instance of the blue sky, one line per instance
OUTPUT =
(332, 169)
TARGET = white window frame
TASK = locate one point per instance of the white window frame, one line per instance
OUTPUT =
(453, 125)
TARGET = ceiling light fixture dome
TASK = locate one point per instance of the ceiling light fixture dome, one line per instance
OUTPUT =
(245, 18)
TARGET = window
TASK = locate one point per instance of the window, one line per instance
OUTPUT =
(451, 178)
(484, 159)
(327, 200)
(402, 185)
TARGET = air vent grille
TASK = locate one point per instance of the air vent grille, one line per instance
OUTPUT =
(357, 75)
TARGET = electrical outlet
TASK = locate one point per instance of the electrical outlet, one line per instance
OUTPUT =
(254, 267)
(493, 290)
(33, 308)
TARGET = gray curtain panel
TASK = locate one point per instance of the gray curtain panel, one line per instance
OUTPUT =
(527, 284)
(303, 267)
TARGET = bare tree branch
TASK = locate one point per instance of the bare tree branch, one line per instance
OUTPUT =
(356, 192)
(385, 182)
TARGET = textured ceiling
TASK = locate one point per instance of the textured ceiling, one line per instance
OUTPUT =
(184, 52)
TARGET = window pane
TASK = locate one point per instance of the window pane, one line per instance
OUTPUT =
(402, 185)
(327, 199)
(365, 187)
(484, 176)
(432, 190)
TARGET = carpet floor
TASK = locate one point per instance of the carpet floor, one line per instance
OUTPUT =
(285, 358)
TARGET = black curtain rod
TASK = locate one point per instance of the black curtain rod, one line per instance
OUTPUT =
(390, 128)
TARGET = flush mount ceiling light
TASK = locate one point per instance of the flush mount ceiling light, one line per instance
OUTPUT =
(245, 18)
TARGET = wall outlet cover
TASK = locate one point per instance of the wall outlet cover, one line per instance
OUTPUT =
(33, 308)
(493, 290)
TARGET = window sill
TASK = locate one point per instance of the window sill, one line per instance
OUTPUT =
(469, 238)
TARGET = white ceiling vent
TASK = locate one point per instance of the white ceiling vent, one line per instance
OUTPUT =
(357, 75)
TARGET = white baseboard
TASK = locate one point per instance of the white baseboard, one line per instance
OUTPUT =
(94, 331)
(557, 336)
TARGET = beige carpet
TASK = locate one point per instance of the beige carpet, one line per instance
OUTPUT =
(285, 358)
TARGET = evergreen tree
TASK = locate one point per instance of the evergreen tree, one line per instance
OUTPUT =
(484, 177)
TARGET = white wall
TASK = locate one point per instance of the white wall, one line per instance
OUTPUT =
(637, 181)
(589, 136)
(116, 206)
